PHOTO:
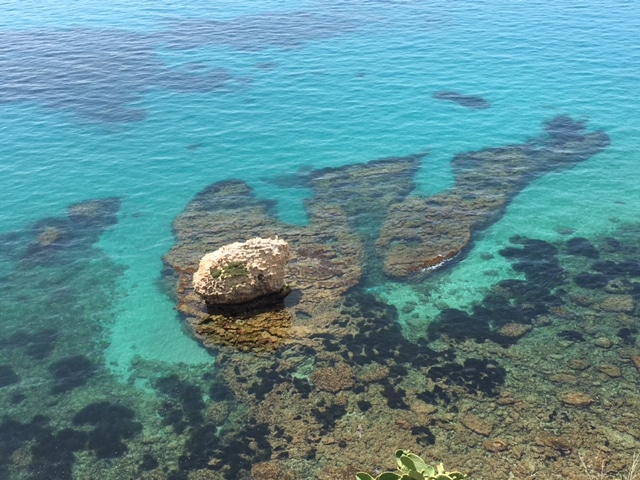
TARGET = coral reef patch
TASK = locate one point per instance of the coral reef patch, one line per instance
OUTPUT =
(476, 387)
(54, 312)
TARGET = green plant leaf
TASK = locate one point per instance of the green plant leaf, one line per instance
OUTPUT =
(388, 476)
(363, 476)
(399, 454)
(413, 476)
(420, 465)
(406, 464)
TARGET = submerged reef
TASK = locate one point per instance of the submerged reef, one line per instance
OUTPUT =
(480, 392)
(544, 367)
(99, 73)
(327, 257)
(423, 232)
(364, 223)
(57, 298)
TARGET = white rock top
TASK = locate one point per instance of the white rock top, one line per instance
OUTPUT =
(241, 272)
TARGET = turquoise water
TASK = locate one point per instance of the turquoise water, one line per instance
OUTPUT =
(147, 102)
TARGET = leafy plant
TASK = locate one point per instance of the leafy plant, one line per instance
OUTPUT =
(412, 467)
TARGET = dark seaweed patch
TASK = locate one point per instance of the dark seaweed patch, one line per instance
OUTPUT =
(52, 454)
(201, 445)
(327, 416)
(537, 259)
(628, 335)
(395, 396)
(626, 267)
(570, 335)
(220, 391)
(71, 372)
(189, 396)
(610, 244)
(459, 325)
(562, 128)
(113, 423)
(51, 241)
(468, 101)
(234, 458)
(38, 345)
(424, 436)
(303, 386)
(591, 281)
(8, 376)
(379, 337)
(269, 378)
(173, 415)
(510, 300)
(14, 435)
(437, 395)
(18, 398)
(474, 376)
(582, 247)
(94, 73)
(148, 463)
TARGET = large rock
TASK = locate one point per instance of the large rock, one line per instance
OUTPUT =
(242, 272)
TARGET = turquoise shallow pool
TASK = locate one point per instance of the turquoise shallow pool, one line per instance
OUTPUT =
(145, 104)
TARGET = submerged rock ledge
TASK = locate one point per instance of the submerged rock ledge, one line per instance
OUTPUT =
(363, 221)
(423, 232)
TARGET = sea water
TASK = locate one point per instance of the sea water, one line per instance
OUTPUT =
(146, 102)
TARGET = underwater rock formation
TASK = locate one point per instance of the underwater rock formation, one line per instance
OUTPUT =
(345, 374)
(242, 272)
(362, 218)
(423, 232)
(327, 256)
(84, 223)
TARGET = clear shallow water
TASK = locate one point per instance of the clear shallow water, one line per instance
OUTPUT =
(150, 103)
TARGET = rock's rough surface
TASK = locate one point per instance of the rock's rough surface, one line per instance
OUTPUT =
(242, 272)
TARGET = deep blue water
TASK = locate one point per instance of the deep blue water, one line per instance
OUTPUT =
(149, 102)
